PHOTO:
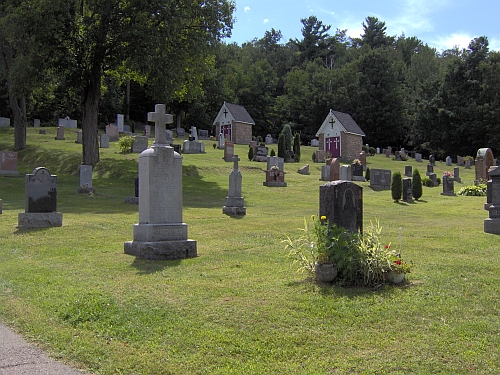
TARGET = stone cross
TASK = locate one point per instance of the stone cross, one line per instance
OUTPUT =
(160, 118)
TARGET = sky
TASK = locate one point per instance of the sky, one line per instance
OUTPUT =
(442, 24)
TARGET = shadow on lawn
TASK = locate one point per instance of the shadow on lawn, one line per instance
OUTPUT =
(147, 267)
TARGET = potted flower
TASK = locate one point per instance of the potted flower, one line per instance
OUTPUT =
(398, 269)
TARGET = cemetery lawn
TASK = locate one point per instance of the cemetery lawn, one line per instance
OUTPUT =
(241, 307)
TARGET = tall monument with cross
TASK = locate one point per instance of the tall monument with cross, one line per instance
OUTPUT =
(160, 233)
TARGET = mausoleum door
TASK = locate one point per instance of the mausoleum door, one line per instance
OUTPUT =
(332, 146)
(226, 131)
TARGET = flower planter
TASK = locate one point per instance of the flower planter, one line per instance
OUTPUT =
(395, 277)
(325, 273)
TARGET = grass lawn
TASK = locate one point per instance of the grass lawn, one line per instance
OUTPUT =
(241, 307)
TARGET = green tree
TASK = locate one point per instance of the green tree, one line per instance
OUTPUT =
(375, 33)
(287, 132)
(296, 146)
(416, 185)
(281, 146)
(167, 44)
(396, 186)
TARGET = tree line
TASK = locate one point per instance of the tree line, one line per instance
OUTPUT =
(92, 59)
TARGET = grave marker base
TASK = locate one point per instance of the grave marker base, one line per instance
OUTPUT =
(163, 250)
(39, 219)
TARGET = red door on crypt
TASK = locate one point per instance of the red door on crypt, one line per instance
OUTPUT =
(226, 131)
(332, 146)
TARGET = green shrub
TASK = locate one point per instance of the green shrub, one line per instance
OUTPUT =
(250, 153)
(125, 144)
(314, 157)
(397, 186)
(416, 185)
(273, 153)
(260, 139)
(296, 147)
(426, 181)
(372, 151)
(365, 148)
(287, 132)
(367, 174)
(281, 146)
(478, 190)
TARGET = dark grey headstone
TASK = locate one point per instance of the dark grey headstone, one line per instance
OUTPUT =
(380, 179)
(342, 204)
(40, 191)
(407, 192)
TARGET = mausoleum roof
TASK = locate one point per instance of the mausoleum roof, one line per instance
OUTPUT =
(239, 113)
(346, 121)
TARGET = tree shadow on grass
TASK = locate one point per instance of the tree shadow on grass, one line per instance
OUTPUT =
(147, 267)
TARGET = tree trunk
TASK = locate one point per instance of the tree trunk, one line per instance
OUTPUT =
(90, 109)
(18, 106)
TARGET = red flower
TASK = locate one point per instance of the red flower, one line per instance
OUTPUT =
(398, 262)
(387, 246)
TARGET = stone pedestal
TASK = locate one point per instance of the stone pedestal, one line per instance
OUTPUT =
(39, 219)
(235, 203)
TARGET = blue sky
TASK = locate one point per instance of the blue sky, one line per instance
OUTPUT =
(442, 24)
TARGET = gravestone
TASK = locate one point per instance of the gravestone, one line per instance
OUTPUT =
(120, 122)
(432, 160)
(362, 159)
(228, 151)
(160, 233)
(407, 191)
(275, 174)
(433, 178)
(448, 161)
(177, 148)
(492, 223)
(430, 169)
(104, 140)
(8, 163)
(468, 164)
(193, 147)
(261, 153)
(304, 170)
(42, 131)
(314, 142)
(325, 173)
(460, 161)
(484, 161)
(194, 134)
(40, 201)
(4, 121)
(357, 172)
(235, 203)
(220, 141)
(456, 174)
(79, 135)
(203, 134)
(140, 143)
(112, 132)
(36, 123)
(378, 150)
(334, 169)
(448, 186)
(387, 153)
(342, 204)
(181, 133)
(147, 131)
(408, 170)
(169, 135)
(380, 179)
(269, 139)
(345, 173)
(85, 180)
(320, 156)
(397, 156)
(418, 157)
(60, 133)
(67, 123)
(126, 129)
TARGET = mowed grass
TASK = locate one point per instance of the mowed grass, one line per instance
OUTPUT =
(240, 307)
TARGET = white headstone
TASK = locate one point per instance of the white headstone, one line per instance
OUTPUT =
(160, 233)
(194, 133)
(36, 123)
(86, 176)
(4, 121)
(221, 141)
(120, 122)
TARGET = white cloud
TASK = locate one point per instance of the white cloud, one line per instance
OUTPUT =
(451, 41)
(246, 9)
(266, 20)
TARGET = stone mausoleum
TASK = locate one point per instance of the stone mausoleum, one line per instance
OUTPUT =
(234, 122)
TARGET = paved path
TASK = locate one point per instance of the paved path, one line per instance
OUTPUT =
(17, 357)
